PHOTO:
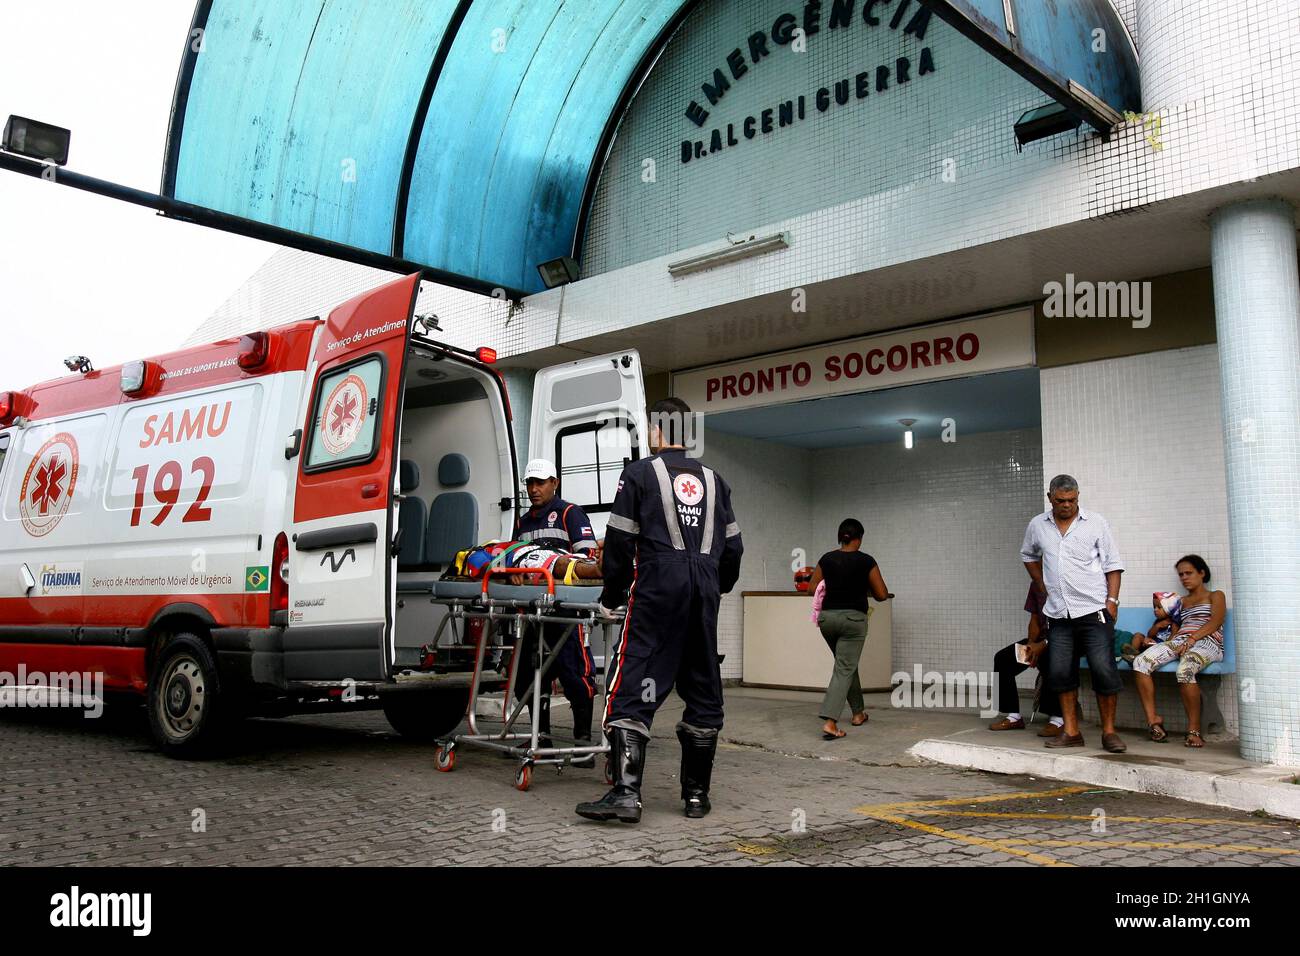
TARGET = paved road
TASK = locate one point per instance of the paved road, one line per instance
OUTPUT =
(343, 789)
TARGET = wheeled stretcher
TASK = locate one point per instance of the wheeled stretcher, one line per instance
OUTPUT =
(516, 606)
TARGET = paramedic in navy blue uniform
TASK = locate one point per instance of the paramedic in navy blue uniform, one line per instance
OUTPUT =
(555, 522)
(673, 541)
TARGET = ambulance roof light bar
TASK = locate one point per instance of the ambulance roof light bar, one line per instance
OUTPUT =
(254, 350)
(486, 355)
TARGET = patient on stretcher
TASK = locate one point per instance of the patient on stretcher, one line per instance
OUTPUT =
(566, 567)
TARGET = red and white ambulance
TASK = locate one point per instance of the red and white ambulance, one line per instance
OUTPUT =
(226, 529)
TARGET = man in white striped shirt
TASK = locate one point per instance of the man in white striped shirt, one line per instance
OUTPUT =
(1073, 561)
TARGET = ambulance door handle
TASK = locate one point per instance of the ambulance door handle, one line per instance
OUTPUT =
(28, 579)
(293, 444)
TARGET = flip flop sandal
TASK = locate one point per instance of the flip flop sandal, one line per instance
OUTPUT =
(1188, 741)
(1158, 733)
(865, 718)
(842, 734)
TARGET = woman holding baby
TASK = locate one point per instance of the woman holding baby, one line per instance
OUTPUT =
(1189, 631)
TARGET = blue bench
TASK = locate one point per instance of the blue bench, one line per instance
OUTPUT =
(1137, 619)
(1140, 619)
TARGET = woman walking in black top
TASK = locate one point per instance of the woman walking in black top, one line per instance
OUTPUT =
(850, 575)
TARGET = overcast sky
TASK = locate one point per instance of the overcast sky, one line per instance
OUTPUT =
(80, 274)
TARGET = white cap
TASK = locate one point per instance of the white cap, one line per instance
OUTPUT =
(540, 468)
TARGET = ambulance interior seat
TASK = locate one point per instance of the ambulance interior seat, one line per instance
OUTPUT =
(412, 517)
(453, 517)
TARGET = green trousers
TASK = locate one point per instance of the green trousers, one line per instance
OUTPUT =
(845, 633)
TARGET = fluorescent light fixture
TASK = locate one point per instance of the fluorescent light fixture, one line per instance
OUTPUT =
(907, 423)
(737, 250)
(27, 137)
(558, 272)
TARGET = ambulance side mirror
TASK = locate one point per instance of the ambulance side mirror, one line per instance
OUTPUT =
(293, 444)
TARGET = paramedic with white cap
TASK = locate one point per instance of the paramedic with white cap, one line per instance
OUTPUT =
(557, 523)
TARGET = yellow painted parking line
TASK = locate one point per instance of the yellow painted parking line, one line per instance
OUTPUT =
(999, 845)
(873, 809)
(1110, 818)
(900, 813)
(1151, 845)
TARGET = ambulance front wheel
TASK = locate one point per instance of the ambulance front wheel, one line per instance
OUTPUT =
(184, 706)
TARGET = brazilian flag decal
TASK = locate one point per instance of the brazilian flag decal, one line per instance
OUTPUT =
(257, 579)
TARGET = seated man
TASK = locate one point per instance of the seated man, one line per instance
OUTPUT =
(1012, 660)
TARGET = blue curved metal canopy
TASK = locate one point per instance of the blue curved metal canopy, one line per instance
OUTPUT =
(467, 135)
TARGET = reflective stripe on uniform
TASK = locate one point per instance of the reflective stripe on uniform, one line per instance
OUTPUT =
(666, 496)
(733, 529)
(545, 533)
(710, 495)
(623, 524)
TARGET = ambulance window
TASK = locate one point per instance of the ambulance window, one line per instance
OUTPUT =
(345, 415)
(590, 458)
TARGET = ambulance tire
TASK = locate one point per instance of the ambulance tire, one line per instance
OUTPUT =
(424, 717)
(185, 711)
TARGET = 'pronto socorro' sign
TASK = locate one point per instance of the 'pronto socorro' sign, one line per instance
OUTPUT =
(839, 17)
(950, 350)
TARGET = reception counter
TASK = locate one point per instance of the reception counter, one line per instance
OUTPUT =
(783, 648)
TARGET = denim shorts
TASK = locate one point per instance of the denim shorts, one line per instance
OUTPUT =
(1090, 635)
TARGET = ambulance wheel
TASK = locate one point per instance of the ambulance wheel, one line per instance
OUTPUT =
(184, 698)
(425, 716)
(445, 759)
(524, 778)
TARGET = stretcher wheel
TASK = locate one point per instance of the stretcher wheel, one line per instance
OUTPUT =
(445, 759)
(609, 771)
(524, 778)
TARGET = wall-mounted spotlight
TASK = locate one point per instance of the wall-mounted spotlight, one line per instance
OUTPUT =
(907, 423)
(1043, 122)
(558, 272)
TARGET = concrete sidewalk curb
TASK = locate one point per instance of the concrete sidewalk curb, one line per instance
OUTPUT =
(1258, 788)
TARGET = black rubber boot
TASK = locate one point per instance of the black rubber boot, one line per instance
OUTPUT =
(581, 709)
(697, 770)
(623, 801)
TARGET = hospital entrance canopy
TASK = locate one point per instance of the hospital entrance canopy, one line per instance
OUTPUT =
(468, 135)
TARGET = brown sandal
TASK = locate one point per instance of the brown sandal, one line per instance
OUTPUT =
(1158, 733)
(1197, 734)
(858, 723)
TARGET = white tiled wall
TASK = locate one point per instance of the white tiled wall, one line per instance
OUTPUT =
(1143, 437)
(771, 495)
(944, 521)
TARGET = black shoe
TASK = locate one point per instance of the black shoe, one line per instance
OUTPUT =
(623, 801)
(697, 770)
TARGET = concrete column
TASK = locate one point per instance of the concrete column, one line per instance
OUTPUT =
(1257, 311)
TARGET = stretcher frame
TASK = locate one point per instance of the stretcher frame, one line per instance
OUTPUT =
(519, 611)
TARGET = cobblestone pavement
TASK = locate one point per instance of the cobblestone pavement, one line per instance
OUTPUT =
(343, 789)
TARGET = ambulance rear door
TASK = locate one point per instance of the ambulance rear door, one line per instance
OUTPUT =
(589, 418)
(341, 556)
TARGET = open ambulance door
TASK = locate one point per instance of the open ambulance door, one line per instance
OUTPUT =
(342, 563)
(589, 418)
